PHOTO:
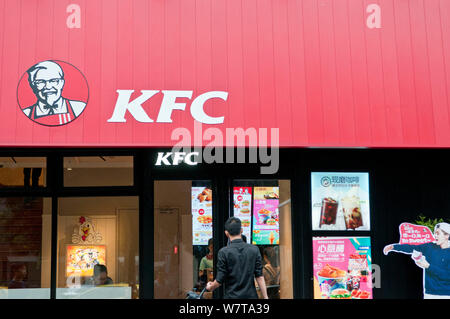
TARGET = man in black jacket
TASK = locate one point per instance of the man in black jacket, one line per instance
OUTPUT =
(238, 265)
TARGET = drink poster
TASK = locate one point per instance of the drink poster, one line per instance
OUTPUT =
(342, 268)
(266, 216)
(201, 215)
(340, 201)
(242, 197)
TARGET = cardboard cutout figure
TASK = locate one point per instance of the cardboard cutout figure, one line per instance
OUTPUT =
(432, 254)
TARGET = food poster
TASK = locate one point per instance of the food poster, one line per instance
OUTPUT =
(82, 259)
(340, 201)
(342, 268)
(201, 215)
(242, 198)
(266, 216)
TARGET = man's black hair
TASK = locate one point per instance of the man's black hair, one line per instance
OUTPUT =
(233, 226)
(98, 269)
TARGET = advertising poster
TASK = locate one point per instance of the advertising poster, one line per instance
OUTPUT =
(342, 268)
(265, 216)
(429, 251)
(82, 259)
(243, 208)
(201, 215)
(340, 201)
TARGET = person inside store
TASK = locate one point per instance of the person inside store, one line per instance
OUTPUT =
(434, 258)
(238, 265)
(271, 272)
(34, 173)
(19, 276)
(100, 276)
(206, 264)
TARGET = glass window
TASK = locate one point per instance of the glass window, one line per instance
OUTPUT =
(264, 208)
(98, 248)
(25, 241)
(22, 171)
(183, 238)
(98, 171)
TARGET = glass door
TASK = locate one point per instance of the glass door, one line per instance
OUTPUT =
(183, 249)
(264, 208)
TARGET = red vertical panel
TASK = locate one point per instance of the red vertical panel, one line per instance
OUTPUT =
(3, 110)
(60, 45)
(406, 73)
(140, 60)
(344, 80)
(203, 49)
(187, 58)
(92, 114)
(9, 71)
(366, 70)
(264, 57)
(422, 89)
(252, 12)
(44, 51)
(313, 78)
(377, 114)
(107, 76)
(437, 72)
(328, 73)
(235, 63)
(444, 10)
(282, 79)
(156, 62)
(27, 49)
(297, 74)
(219, 53)
(124, 132)
(390, 75)
(172, 64)
(77, 131)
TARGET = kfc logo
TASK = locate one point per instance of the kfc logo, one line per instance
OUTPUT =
(52, 93)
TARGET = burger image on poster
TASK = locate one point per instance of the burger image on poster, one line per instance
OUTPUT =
(323, 210)
(47, 81)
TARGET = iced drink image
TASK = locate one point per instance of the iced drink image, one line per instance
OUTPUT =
(351, 208)
(328, 211)
(417, 256)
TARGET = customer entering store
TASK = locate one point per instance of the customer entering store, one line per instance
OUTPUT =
(238, 265)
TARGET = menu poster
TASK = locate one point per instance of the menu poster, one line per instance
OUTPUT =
(242, 197)
(342, 268)
(266, 216)
(201, 215)
(340, 201)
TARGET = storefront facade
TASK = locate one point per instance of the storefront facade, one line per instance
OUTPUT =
(342, 96)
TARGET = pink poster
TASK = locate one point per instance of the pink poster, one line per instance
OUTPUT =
(411, 234)
(342, 268)
(243, 207)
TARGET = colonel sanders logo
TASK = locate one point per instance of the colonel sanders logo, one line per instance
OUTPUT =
(52, 93)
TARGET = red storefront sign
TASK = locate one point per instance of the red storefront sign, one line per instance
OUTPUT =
(331, 73)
